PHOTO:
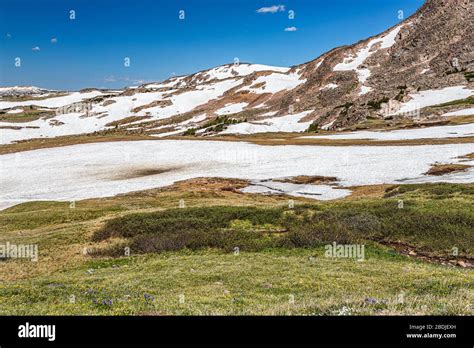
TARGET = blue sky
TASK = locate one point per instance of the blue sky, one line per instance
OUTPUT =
(91, 49)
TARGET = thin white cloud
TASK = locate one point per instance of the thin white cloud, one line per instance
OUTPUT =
(54, 40)
(126, 79)
(291, 29)
(36, 48)
(9, 35)
(140, 81)
(110, 79)
(271, 9)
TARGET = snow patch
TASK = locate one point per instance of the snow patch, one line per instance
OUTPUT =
(364, 90)
(228, 71)
(465, 112)
(329, 86)
(328, 125)
(274, 83)
(434, 97)
(231, 109)
(55, 102)
(289, 123)
(172, 83)
(439, 132)
(15, 111)
(195, 119)
(319, 192)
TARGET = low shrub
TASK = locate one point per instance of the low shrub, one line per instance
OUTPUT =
(433, 225)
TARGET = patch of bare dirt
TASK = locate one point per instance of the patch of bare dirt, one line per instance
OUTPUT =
(442, 169)
(469, 156)
(160, 103)
(368, 191)
(306, 180)
(209, 184)
(127, 120)
(411, 251)
(108, 102)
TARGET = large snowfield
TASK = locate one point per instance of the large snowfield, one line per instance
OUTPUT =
(106, 169)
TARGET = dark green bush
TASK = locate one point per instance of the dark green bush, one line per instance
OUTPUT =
(432, 225)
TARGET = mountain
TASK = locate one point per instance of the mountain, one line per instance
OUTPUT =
(17, 91)
(424, 61)
(431, 50)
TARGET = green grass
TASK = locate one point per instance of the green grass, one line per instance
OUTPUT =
(313, 127)
(279, 268)
(34, 215)
(220, 122)
(190, 132)
(27, 115)
(432, 191)
(274, 282)
(469, 75)
(467, 101)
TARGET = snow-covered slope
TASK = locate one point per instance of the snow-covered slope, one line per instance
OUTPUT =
(53, 102)
(408, 71)
(148, 105)
(21, 91)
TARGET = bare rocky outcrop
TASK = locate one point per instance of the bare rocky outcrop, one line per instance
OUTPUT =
(433, 49)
